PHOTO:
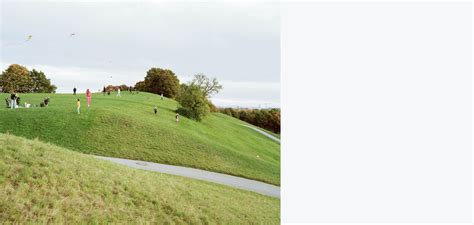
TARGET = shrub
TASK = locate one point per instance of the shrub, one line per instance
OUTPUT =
(193, 102)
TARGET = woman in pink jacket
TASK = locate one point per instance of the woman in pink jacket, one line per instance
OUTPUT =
(88, 94)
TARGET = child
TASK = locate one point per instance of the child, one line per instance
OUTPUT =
(155, 109)
(177, 117)
(88, 95)
(78, 103)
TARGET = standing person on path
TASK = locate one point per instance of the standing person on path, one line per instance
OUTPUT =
(118, 92)
(177, 117)
(78, 105)
(74, 90)
(88, 95)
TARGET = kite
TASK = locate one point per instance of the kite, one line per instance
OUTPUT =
(18, 43)
(72, 34)
(29, 38)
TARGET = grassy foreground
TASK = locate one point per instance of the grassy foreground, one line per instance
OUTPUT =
(43, 183)
(126, 127)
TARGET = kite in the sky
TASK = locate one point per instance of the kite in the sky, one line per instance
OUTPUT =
(72, 34)
(29, 38)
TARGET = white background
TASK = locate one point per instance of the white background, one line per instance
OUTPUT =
(377, 119)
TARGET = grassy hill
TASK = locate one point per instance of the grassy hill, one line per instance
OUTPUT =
(42, 183)
(127, 128)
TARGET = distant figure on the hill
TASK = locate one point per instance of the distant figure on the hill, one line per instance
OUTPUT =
(155, 109)
(78, 104)
(177, 117)
(74, 90)
(46, 101)
(13, 100)
(161, 96)
(130, 89)
(118, 92)
(103, 90)
(88, 95)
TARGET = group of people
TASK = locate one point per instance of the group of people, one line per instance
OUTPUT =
(89, 96)
(14, 102)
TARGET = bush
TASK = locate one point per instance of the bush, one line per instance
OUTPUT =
(193, 102)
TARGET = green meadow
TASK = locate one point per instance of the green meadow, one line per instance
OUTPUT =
(42, 183)
(126, 127)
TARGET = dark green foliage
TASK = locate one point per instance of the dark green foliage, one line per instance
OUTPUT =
(160, 81)
(193, 102)
(40, 84)
(265, 118)
(17, 78)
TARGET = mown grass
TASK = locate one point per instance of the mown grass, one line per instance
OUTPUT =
(42, 183)
(127, 128)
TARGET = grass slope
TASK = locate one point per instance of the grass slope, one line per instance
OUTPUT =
(127, 128)
(42, 183)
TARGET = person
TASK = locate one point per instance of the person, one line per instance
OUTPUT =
(177, 117)
(118, 92)
(74, 90)
(78, 104)
(17, 100)
(13, 100)
(103, 90)
(46, 101)
(88, 95)
(155, 109)
(130, 89)
(161, 96)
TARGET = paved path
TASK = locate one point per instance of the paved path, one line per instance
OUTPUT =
(233, 181)
(263, 132)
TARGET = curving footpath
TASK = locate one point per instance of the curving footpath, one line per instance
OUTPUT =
(262, 132)
(233, 181)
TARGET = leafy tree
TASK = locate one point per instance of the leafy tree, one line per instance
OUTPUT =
(160, 81)
(193, 102)
(40, 84)
(140, 86)
(208, 86)
(16, 78)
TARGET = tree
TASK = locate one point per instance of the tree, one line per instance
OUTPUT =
(193, 102)
(16, 78)
(40, 84)
(162, 81)
(140, 86)
(208, 86)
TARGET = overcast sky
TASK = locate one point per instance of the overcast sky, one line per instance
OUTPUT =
(239, 43)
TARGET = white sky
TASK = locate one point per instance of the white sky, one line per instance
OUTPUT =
(239, 43)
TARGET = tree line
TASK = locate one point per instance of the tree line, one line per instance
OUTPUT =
(17, 78)
(268, 119)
